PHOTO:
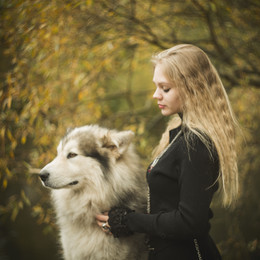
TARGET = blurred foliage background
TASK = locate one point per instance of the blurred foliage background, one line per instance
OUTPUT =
(70, 63)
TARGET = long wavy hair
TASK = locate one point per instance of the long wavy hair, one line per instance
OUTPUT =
(206, 110)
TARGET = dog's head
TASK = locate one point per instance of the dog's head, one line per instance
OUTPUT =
(85, 155)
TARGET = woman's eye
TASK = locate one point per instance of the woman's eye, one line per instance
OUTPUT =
(71, 155)
(166, 90)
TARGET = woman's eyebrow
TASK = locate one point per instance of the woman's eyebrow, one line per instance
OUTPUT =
(162, 83)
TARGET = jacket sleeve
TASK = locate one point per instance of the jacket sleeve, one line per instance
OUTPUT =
(198, 173)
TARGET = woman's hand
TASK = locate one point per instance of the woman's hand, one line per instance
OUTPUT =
(102, 221)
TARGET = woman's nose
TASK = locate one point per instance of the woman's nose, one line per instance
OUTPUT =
(157, 94)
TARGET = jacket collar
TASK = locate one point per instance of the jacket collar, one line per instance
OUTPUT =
(174, 132)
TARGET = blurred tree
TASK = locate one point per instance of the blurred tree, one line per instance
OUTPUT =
(68, 63)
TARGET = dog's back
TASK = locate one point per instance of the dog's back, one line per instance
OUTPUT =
(95, 170)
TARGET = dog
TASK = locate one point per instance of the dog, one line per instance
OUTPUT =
(95, 169)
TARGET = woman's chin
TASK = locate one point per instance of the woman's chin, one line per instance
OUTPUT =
(166, 113)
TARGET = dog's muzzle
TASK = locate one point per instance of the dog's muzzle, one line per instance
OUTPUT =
(44, 176)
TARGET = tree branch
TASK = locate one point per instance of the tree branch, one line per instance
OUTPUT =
(213, 36)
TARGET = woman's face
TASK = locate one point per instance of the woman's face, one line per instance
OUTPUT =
(166, 93)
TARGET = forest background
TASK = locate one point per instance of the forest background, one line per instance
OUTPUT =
(71, 63)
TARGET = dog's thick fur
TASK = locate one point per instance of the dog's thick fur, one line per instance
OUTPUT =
(95, 170)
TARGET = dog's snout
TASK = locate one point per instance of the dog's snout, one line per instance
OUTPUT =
(44, 176)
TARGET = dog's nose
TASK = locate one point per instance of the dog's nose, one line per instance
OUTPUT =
(44, 176)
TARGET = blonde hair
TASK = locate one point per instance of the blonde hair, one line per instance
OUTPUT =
(206, 110)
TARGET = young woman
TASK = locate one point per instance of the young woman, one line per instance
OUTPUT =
(192, 160)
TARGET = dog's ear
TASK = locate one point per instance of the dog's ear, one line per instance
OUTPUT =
(118, 142)
(69, 129)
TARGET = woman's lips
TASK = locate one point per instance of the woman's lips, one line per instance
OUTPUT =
(161, 106)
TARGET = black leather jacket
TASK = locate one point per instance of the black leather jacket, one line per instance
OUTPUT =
(182, 185)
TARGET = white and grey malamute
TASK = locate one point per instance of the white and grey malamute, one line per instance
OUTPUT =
(95, 170)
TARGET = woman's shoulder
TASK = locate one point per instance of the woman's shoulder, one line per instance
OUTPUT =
(174, 132)
(198, 143)
(192, 143)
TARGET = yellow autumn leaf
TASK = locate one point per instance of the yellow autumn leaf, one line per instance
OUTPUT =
(9, 135)
(5, 182)
(80, 95)
(14, 213)
(11, 154)
(88, 2)
(23, 139)
(8, 172)
(2, 132)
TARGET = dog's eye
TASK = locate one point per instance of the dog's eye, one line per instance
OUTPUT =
(71, 155)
